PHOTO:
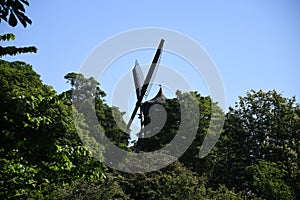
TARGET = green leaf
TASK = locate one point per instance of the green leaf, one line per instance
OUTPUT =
(23, 19)
(12, 20)
(7, 37)
(40, 97)
(25, 2)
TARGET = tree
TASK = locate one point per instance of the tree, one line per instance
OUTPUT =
(21, 93)
(13, 10)
(268, 180)
(172, 182)
(87, 95)
(190, 158)
(40, 148)
(42, 156)
(262, 126)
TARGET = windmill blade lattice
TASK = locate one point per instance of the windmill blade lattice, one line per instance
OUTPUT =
(152, 78)
(147, 81)
(138, 79)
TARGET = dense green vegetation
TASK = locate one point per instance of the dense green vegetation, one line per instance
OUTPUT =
(43, 157)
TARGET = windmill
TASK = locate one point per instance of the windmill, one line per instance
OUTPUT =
(143, 86)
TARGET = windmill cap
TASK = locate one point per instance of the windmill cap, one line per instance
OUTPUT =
(160, 97)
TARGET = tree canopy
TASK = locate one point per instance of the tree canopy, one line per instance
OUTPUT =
(43, 151)
(42, 155)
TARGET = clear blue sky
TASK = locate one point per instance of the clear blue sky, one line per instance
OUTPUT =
(254, 44)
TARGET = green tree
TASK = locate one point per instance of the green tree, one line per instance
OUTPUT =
(173, 108)
(262, 126)
(40, 148)
(268, 180)
(210, 122)
(173, 182)
(102, 189)
(88, 98)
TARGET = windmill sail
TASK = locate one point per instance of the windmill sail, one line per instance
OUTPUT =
(138, 79)
(147, 81)
(152, 78)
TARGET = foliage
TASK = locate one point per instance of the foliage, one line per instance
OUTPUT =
(262, 126)
(39, 143)
(102, 189)
(88, 90)
(13, 10)
(42, 155)
(174, 119)
(12, 50)
(268, 180)
(17, 177)
(172, 182)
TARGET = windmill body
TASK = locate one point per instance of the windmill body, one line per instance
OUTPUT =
(156, 105)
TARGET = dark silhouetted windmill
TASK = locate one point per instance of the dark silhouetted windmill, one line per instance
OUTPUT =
(143, 88)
